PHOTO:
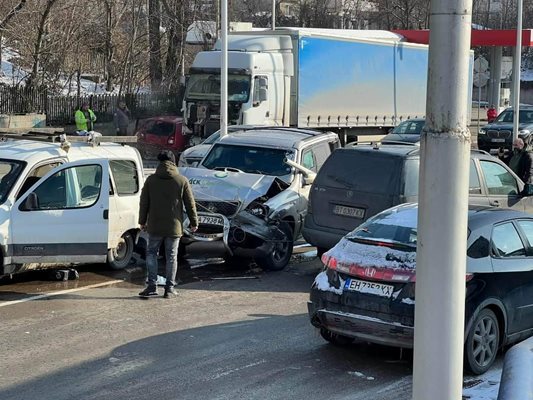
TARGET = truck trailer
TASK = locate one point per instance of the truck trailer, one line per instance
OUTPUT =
(350, 81)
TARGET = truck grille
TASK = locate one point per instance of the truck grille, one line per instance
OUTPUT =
(494, 134)
(226, 208)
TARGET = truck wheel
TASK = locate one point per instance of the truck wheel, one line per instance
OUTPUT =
(282, 252)
(120, 256)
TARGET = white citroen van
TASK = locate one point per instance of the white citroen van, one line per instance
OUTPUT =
(67, 200)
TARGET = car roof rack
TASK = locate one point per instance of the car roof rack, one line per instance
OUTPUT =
(92, 138)
(303, 131)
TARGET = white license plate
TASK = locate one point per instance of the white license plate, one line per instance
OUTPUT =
(349, 211)
(497, 140)
(379, 289)
(210, 220)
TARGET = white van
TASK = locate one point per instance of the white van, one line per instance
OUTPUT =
(68, 201)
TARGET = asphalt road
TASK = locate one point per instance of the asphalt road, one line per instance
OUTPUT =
(245, 336)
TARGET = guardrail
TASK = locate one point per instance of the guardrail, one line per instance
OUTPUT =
(517, 375)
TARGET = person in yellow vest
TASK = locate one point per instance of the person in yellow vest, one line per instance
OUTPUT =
(84, 118)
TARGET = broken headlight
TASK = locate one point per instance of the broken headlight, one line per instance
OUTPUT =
(257, 209)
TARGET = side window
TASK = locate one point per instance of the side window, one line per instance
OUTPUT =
(75, 187)
(34, 176)
(474, 186)
(527, 229)
(125, 176)
(410, 176)
(308, 160)
(322, 153)
(506, 242)
(499, 181)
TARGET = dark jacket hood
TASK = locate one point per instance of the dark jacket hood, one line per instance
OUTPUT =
(166, 170)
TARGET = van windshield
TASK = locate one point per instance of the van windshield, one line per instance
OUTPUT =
(9, 172)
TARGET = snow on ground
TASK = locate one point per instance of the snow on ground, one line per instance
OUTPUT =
(483, 387)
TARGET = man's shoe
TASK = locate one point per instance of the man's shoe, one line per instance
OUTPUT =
(148, 292)
(170, 292)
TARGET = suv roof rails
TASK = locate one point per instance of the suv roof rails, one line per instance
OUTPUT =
(309, 132)
(66, 140)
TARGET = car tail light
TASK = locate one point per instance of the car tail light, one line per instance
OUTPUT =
(170, 140)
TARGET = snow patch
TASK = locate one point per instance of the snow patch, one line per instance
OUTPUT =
(361, 375)
(348, 252)
(483, 387)
(322, 283)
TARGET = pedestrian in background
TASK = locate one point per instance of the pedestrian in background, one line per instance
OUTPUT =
(84, 118)
(520, 160)
(492, 113)
(121, 118)
(163, 197)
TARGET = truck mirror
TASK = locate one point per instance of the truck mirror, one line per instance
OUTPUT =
(30, 203)
(528, 189)
(263, 94)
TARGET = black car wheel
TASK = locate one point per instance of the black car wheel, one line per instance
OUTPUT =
(282, 252)
(120, 256)
(482, 342)
(335, 338)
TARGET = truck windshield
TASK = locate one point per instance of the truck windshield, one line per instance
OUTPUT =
(9, 173)
(207, 87)
(253, 160)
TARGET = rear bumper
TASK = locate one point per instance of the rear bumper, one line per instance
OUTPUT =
(361, 327)
(320, 236)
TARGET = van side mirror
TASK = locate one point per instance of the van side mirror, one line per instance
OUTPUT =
(30, 203)
(528, 190)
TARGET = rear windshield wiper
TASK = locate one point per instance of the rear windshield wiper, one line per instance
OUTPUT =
(341, 181)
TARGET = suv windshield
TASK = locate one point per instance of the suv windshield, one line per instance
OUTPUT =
(207, 86)
(254, 160)
(9, 172)
(526, 116)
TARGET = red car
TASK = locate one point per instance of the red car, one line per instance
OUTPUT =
(158, 133)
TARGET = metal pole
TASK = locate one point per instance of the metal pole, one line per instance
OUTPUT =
(496, 77)
(224, 69)
(443, 205)
(273, 14)
(516, 72)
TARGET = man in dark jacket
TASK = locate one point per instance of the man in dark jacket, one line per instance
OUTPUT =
(163, 198)
(121, 119)
(520, 161)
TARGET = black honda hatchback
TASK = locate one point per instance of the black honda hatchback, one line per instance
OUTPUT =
(367, 288)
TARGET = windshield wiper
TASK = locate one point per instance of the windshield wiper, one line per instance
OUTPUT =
(341, 181)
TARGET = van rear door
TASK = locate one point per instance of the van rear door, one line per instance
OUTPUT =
(64, 217)
(353, 186)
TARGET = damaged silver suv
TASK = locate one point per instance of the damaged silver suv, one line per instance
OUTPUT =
(251, 193)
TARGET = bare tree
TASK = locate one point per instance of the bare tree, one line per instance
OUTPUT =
(154, 31)
(3, 23)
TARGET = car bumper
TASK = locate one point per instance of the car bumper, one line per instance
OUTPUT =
(486, 143)
(320, 236)
(326, 311)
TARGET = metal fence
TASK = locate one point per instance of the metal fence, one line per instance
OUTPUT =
(60, 110)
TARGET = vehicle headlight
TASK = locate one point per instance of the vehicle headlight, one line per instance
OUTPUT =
(257, 209)
(524, 132)
(482, 132)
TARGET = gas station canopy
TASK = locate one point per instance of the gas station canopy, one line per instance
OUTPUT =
(488, 37)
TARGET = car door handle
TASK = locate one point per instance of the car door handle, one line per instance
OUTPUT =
(494, 203)
(106, 214)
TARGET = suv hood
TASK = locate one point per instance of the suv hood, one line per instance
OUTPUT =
(506, 126)
(210, 185)
(198, 151)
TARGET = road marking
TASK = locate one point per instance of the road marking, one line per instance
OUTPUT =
(42, 296)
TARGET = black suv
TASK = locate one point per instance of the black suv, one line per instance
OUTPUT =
(359, 181)
(499, 133)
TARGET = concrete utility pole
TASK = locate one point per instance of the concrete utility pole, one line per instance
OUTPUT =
(516, 71)
(273, 14)
(224, 69)
(443, 207)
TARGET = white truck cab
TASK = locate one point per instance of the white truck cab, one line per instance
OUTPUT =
(68, 202)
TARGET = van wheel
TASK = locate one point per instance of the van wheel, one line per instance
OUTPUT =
(120, 256)
(282, 252)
